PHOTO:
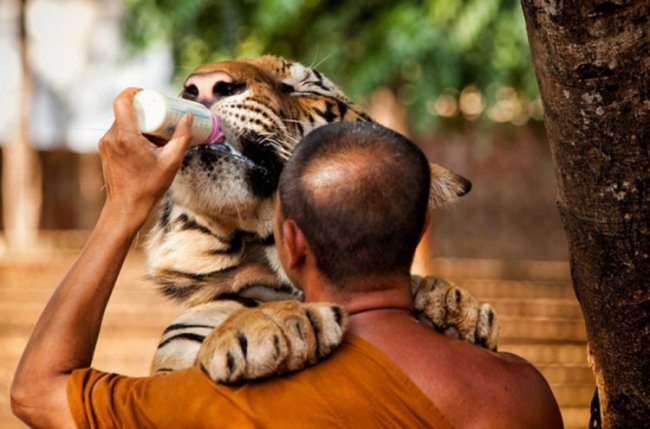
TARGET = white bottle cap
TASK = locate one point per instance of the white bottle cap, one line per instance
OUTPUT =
(150, 110)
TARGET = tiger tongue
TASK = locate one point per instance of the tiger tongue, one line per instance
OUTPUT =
(216, 136)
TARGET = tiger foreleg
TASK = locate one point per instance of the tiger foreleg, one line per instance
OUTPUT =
(454, 312)
(182, 339)
(271, 339)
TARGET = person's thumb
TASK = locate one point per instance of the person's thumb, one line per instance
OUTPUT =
(174, 150)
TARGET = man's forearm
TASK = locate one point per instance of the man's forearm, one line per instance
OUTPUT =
(66, 333)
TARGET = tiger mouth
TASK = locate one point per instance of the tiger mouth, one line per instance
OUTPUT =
(226, 148)
(253, 159)
(222, 145)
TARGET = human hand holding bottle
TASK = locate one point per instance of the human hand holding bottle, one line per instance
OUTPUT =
(136, 171)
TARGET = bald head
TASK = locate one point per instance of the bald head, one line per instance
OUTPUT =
(359, 193)
(355, 172)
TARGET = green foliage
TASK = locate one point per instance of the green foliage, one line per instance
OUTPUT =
(421, 49)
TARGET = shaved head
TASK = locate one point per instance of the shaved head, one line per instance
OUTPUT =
(359, 193)
(351, 172)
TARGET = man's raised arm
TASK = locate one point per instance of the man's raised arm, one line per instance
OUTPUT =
(136, 174)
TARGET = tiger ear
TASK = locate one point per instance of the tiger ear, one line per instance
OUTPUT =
(446, 186)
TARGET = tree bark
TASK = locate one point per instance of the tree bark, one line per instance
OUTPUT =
(592, 59)
(22, 192)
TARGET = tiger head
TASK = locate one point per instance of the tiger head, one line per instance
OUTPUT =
(265, 107)
(220, 203)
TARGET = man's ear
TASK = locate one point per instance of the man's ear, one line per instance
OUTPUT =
(294, 242)
(446, 186)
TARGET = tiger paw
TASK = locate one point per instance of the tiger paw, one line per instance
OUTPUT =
(271, 339)
(454, 312)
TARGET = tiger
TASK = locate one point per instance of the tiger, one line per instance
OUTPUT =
(212, 246)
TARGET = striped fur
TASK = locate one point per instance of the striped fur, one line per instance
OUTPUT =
(212, 247)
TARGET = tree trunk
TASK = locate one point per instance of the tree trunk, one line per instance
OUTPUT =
(389, 112)
(592, 59)
(21, 180)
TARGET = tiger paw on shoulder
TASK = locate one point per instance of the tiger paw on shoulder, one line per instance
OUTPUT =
(454, 311)
(286, 336)
(271, 339)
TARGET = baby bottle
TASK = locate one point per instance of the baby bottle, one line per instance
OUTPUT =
(158, 115)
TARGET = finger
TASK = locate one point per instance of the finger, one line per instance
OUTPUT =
(107, 137)
(124, 112)
(173, 151)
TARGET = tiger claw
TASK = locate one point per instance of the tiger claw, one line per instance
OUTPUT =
(487, 327)
(454, 312)
(230, 354)
(271, 339)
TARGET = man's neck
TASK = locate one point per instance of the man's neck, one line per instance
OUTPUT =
(363, 298)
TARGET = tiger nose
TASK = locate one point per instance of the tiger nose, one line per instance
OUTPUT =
(205, 88)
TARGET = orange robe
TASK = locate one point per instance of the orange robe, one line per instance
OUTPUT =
(358, 387)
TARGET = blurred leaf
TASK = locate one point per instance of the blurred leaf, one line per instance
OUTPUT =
(418, 48)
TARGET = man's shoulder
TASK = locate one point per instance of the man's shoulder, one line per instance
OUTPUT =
(470, 384)
(513, 392)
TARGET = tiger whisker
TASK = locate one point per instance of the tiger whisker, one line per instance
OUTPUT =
(283, 151)
(287, 136)
(327, 57)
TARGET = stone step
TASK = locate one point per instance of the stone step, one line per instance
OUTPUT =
(58, 261)
(147, 292)
(31, 300)
(486, 290)
(116, 342)
(575, 417)
(540, 354)
(45, 270)
(539, 307)
(500, 269)
(129, 316)
(61, 258)
(541, 328)
(38, 276)
(573, 395)
(567, 374)
(125, 289)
